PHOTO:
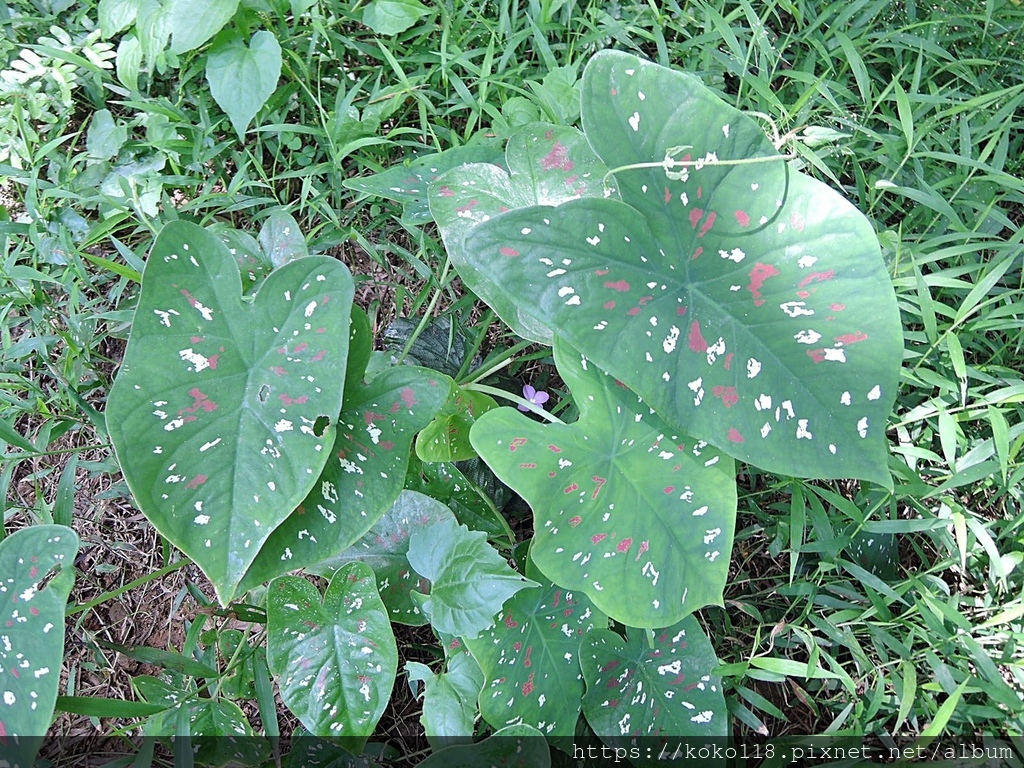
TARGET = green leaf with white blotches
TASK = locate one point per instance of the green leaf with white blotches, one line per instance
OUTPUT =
(627, 509)
(364, 474)
(664, 688)
(36, 575)
(469, 580)
(242, 77)
(335, 659)
(747, 304)
(547, 165)
(517, 746)
(281, 239)
(385, 548)
(530, 659)
(222, 415)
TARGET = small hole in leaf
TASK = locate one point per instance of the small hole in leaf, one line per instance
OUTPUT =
(264, 393)
(321, 423)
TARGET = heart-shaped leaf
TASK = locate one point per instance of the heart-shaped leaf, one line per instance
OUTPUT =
(193, 22)
(446, 438)
(364, 473)
(626, 509)
(242, 77)
(281, 239)
(662, 689)
(389, 17)
(449, 699)
(530, 659)
(336, 660)
(36, 575)
(748, 304)
(517, 746)
(469, 579)
(385, 548)
(216, 413)
(548, 165)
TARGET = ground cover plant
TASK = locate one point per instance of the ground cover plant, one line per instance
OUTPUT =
(750, 268)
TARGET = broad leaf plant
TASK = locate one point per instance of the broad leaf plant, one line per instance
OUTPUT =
(706, 303)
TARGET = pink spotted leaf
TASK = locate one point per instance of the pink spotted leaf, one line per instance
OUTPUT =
(224, 410)
(626, 508)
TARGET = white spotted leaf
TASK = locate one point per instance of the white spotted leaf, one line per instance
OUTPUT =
(335, 659)
(626, 508)
(649, 690)
(218, 413)
(517, 746)
(547, 165)
(747, 304)
(469, 580)
(36, 576)
(364, 474)
(530, 659)
(385, 548)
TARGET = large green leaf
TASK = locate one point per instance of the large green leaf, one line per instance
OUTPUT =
(517, 746)
(385, 548)
(660, 688)
(469, 579)
(625, 508)
(242, 77)
(364, 473)
(389, 17)
(748, 304)
(548, 165)
(36, 576)
(530, 659)
(336, 660)
(216, 413)
(193, 22)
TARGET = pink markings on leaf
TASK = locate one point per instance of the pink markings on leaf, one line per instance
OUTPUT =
(506, 251)
(301, 347)
(609, 305)
(196, 339)
(468, 206)
(698, 252)
(668, 195)
(446, 192)
(575, 520)
(696, 214)
(613, 92)
(668, 489)
(600, 272)
(526, 659)
(277, 369)
(851, 338)
(727, 395)
(633, 312)
(554, 448)
(734, 436)
(528, 465)
(697, 341)
(624, 545)
(644, 546)
(642, 301)
(528, 686)
(597, 538)
(510, 623)
(598, 485)
(758, 275)
(516, 443)
(619, 285)
(802, 294)
(212, 362)
(817, 277)
(372, 416)
(742, 218)
(199, 402)
(287, 400)
(680, 311)
(837, 307)
(408, 396)
(318, 356)
(557, 158)
(796, 221)
(700, 189)
(728, 361)
(709, 222)
(386, 445)
(196, 481)
(570, 488)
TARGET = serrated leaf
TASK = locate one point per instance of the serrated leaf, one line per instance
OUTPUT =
(193, 22)
(517, 746)
(747, 304)
(548, 165)
(469, 579)
(389, 17)
(626, 509)
(665, 689)
(385, 548)
(530, 659)
(214, 414)
(281, 239)
(336, 660)
(364, 473)
(446, 438)
(36, 575)
(243, 77)
(449, 700)
(408, 183)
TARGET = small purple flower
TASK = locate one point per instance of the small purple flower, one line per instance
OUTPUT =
(534, 396)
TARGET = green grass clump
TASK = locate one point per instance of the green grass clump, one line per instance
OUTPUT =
(851, 611)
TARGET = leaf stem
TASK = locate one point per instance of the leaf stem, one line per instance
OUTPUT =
(669, 163)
